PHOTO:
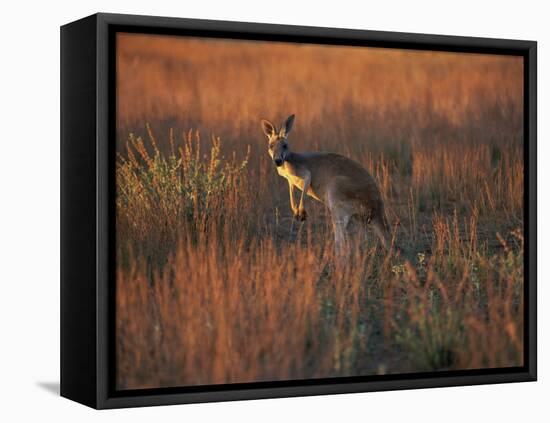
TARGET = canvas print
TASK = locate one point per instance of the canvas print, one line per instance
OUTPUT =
(290, 211)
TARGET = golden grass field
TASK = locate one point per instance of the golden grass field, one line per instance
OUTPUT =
(216, 283)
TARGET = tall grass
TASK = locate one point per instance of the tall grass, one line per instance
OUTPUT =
(224, 302)
(487, 177)
(216, 283)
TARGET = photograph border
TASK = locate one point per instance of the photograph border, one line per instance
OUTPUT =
(97, 387)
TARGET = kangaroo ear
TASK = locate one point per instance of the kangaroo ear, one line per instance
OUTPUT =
(285, 130)
(267, 127)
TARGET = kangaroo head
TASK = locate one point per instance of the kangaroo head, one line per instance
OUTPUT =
(277, 139)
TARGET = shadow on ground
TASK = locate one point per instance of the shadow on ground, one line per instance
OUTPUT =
(51, 387)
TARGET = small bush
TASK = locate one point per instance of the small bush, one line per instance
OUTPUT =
(157, 193)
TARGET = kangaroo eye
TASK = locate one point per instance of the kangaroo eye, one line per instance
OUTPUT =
(284, 147)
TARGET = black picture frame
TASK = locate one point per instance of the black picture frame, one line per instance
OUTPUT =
(87, 211)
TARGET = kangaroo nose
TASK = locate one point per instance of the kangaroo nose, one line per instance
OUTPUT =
(278, 162)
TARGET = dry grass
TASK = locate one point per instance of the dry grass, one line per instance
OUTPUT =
(217, 284)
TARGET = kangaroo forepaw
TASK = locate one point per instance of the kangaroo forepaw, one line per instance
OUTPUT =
(300, 215)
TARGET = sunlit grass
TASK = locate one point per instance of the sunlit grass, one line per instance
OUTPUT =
(210, 298)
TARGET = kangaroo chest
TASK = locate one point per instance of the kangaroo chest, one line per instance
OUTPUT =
(297, 181)
(293, 179)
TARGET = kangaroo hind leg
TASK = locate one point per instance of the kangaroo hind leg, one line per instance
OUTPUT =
(380, 227)
(340, 215)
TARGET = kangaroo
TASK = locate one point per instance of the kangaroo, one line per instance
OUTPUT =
(343, 185)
